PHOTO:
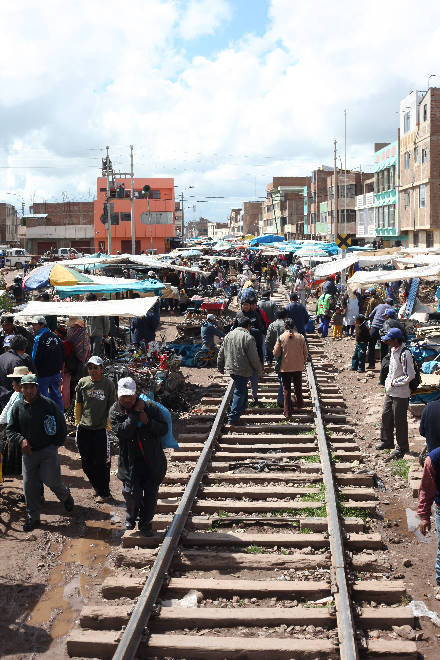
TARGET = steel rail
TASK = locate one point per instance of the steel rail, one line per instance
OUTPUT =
(347, 641)
(131, 638)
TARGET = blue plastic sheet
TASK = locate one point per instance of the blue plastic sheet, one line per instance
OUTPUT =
(187, 352)
(143, 286)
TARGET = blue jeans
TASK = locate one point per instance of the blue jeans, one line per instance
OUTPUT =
(359, 355)
(323, 325)
(280, 395)
(254, 385)
(50, 387)
(437, 560)
(239, 398)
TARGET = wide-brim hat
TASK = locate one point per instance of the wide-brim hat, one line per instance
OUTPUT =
(19, 372)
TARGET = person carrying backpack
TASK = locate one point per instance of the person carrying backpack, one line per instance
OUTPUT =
(399, 384)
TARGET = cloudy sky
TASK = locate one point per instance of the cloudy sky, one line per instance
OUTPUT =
(221, 95)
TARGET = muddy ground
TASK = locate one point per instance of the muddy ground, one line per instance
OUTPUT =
(49, 574)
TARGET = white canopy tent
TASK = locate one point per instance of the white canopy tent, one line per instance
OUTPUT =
(137, 259)
(363, 278)
(125, 307)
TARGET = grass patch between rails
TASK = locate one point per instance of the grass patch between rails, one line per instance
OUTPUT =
(306, 530)
(400, 468)
(353, 512)
(313, 458)
(319, 496)
(255, 549)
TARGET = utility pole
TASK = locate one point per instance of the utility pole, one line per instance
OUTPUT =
(335, 196)
(345, 171)
(109, 218)
(183, 217)
(132, 226)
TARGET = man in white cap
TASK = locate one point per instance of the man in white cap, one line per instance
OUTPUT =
(95, 395)
(139, 425)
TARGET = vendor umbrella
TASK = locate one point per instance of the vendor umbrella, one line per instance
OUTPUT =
(53, 275)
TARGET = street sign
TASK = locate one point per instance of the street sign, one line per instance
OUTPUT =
(343, 241)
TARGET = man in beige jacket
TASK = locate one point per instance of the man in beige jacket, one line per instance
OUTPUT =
(292, 348)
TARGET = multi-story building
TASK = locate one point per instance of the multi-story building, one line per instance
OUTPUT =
(350, 184)
(283, 208)
(197, 228)
(235, 222)
(251, 216)
(53, 225)
(9, 223)
(217, 230)
(318, 194)
(419, 193)
(386, 194)
(153, 214)
(365, 213)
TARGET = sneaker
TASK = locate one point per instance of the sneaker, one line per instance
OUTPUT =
(130, 524)
(382, 445)
(69, 503)
(30, 525)
(397, 453)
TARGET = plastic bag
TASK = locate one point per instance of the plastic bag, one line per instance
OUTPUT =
(188, 600)
(418, 608)
(413, 521)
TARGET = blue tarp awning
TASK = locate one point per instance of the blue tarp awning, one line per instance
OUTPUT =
(265, 239)
(143, 286)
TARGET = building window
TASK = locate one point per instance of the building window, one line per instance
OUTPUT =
(406, 160)
(415, 239)
(406, 122)
(392, 176)
(429, 239)
(422, 196)
(125, 217)
(424, 155)
(392, 216)
(385, 216)
(330, 192)
(416, 154)
(425, 112)
(380, 217)
(155, 194)
(406, 199)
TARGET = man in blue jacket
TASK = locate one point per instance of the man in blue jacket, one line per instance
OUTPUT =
(209, 330)
(48, 358)
(297, 313)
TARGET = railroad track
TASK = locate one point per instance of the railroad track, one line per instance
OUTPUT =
(263, 524)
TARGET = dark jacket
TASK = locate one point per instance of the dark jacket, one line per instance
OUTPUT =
(144, 328)
(299, 314)
(129, 431)
(40, 422)
(258, 329)
(47, 354)
(208, 332)
(19, 330)
(393, 323)
(362, 333)
(329, 287)
(430, 425)
(8, 362)
(269, 307)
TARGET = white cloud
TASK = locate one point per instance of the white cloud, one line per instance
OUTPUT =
(202, 17)
(226, 122)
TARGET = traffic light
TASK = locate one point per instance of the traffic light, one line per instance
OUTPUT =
(146, 191)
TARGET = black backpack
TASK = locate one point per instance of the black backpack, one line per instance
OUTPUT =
(415, 382)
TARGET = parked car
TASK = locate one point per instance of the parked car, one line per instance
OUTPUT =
(16, 257)
(65, 253)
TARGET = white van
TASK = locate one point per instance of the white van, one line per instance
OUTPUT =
(16, 257)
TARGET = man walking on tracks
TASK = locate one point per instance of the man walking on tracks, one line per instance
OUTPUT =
(139, 425)
(95, 394)
(38, 426)
(238, 357)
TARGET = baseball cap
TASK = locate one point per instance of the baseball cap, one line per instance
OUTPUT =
(393, 333)
(7, 341)
(95, 359)
(391, 312)
(211, 317)
(29, 378)
(126, 386)
(39, 319)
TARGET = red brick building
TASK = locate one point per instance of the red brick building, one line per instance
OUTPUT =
(8, 224)
(53, 225)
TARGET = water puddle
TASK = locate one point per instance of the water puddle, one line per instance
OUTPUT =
(82, 562)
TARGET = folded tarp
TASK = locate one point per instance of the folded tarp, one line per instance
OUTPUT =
(362, 278)
(336, 266)
(267, 238)
(127, 307)
(119, 286)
